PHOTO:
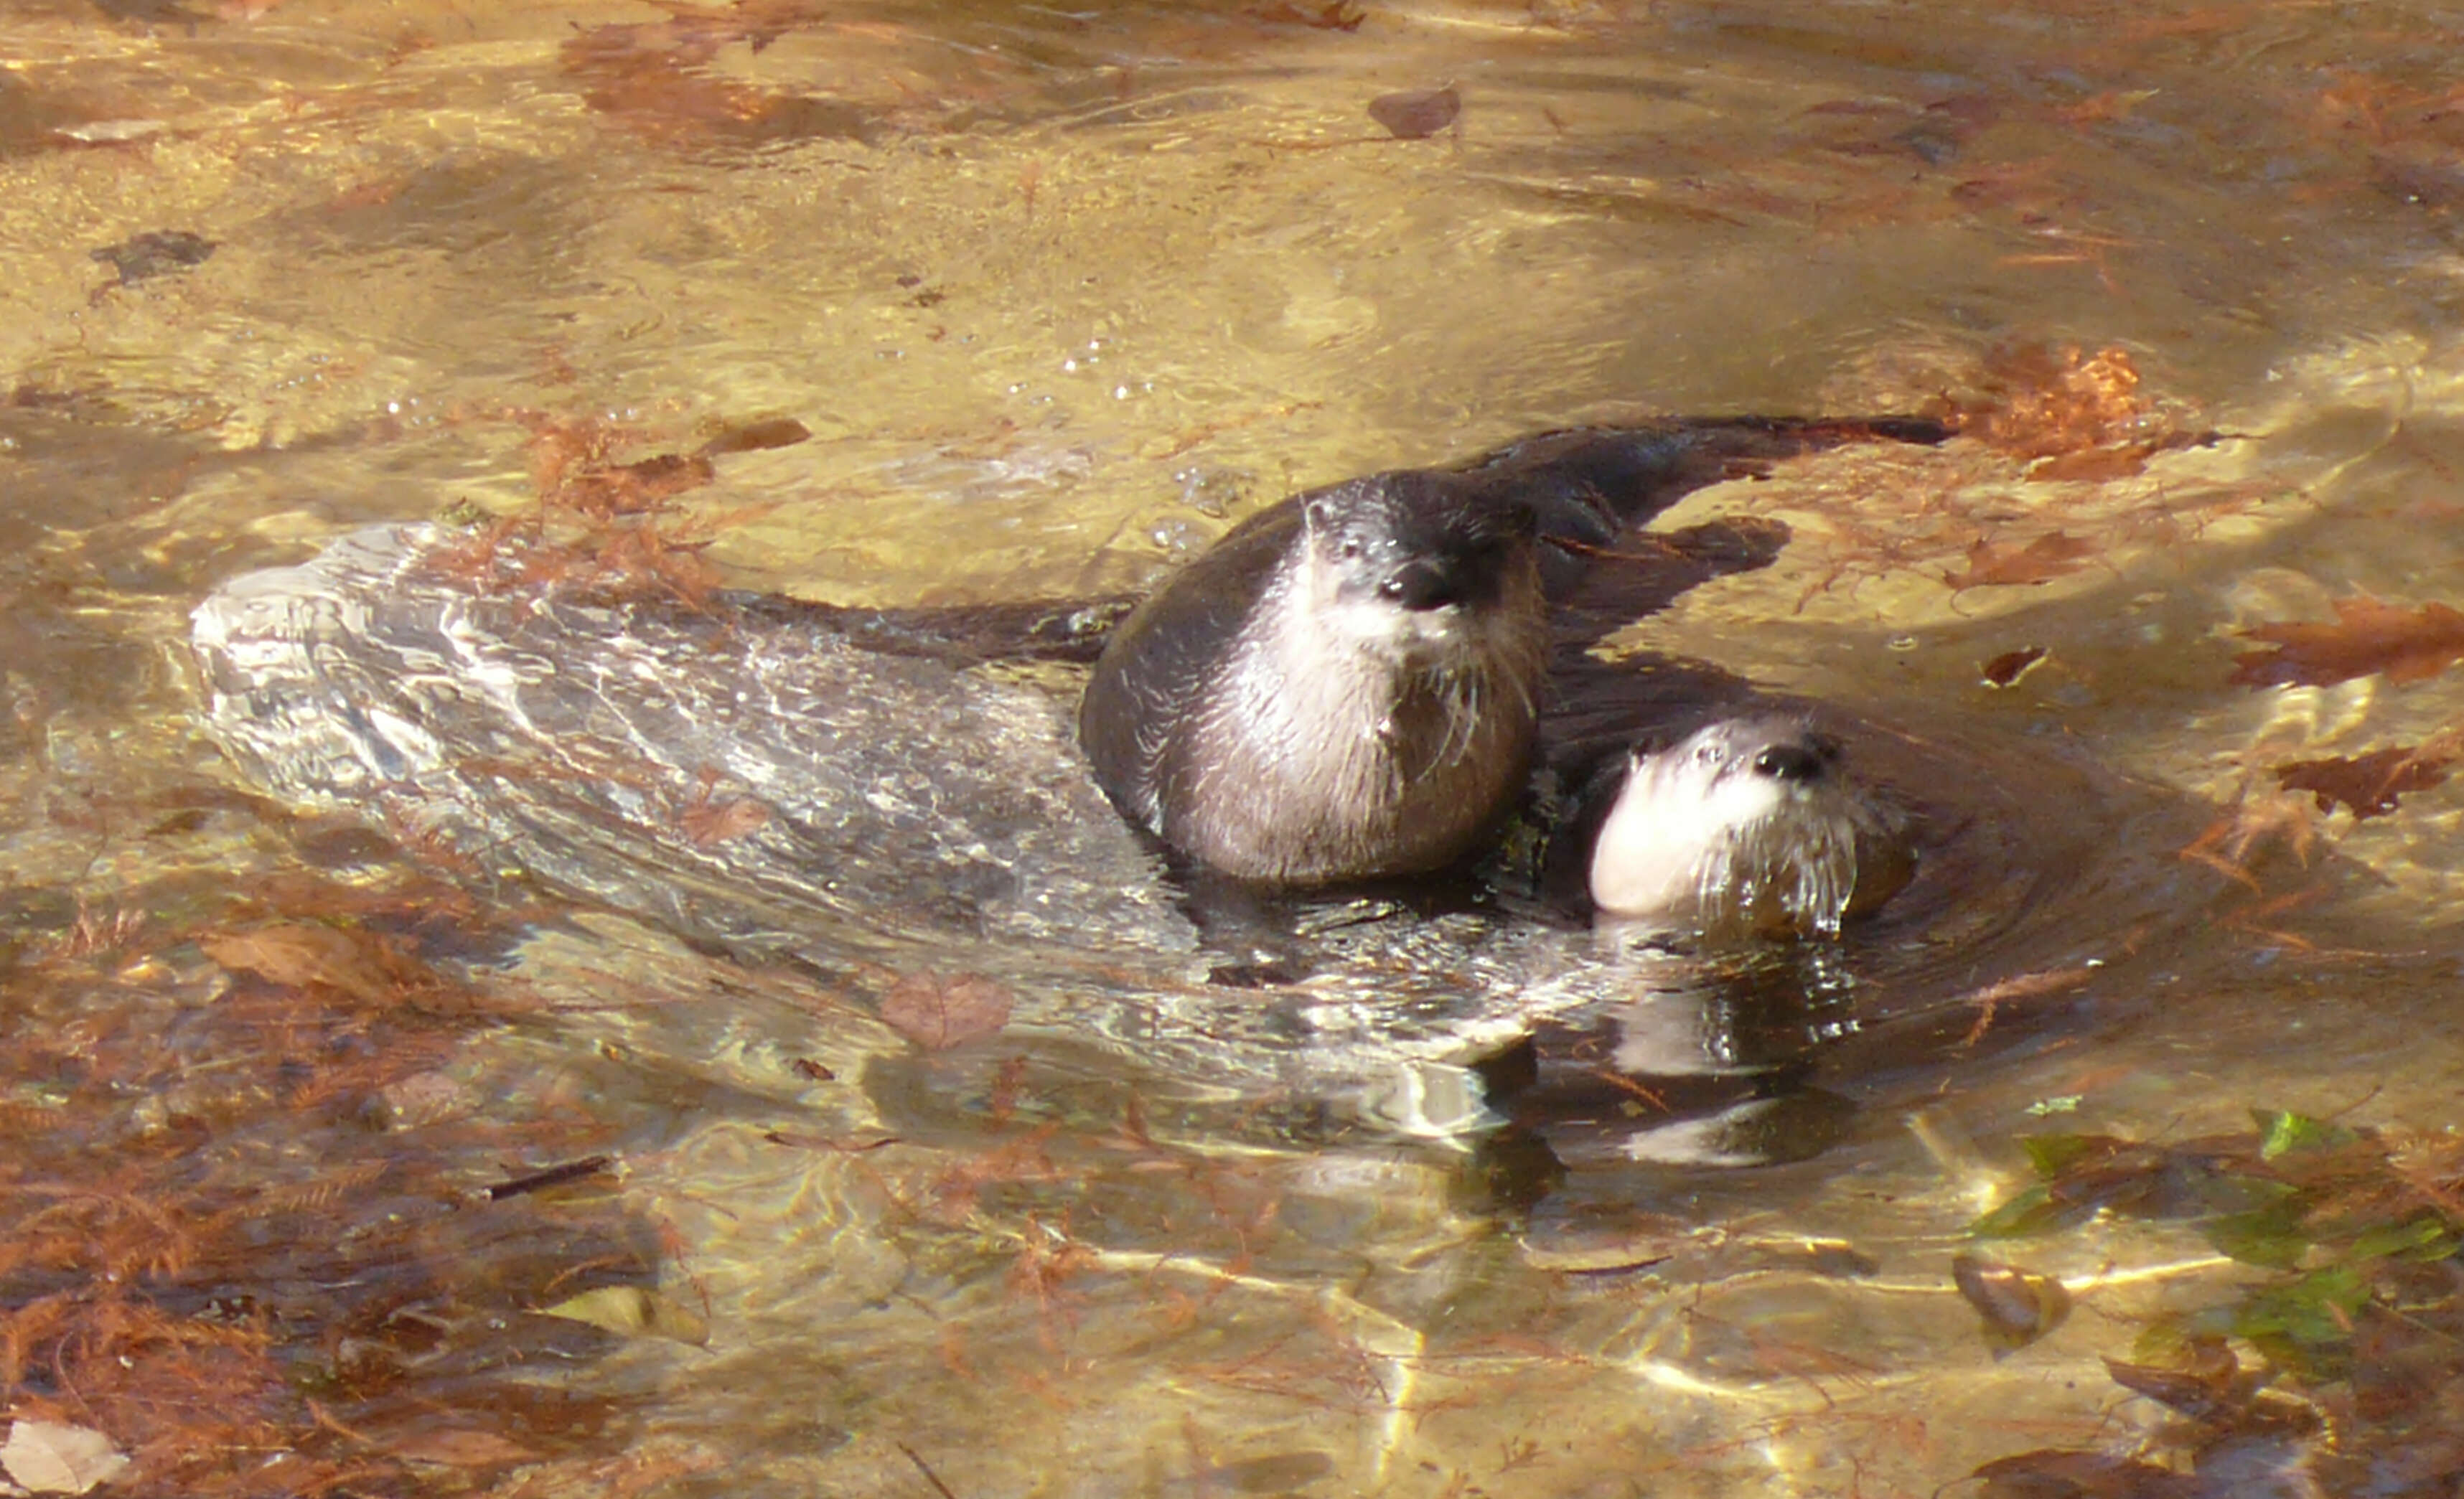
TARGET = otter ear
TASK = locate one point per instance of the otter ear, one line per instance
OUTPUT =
(1318, 514)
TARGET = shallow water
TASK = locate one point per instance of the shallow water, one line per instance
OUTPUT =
(1057, 293)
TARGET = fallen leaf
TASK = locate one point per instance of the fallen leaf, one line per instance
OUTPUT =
(632, 488)
(1993, 564)
(2369, 637)
(156, 252)
(1416, 113)
(460, 1447)
(937, 1013)
(634, 1311)
(301, 955)
(755, 436)
(708, 824)
(1337, 15)
(2009, 666)
(2050, 1473)
(2369, 784)
(46, 1458)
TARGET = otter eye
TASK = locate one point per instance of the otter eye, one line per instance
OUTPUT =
(1349, 551)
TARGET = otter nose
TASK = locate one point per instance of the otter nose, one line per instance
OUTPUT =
(1422, 584)
(1790, 763)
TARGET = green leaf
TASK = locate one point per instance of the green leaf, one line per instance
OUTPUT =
(2316, 1310)
(2282, 1133)
(2031, 1211)
(2424, 1237)
(2051, 1153)
(2271, 1236)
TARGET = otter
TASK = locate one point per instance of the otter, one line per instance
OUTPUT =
(1745, 824)
(872, 794)
(1343, 687)
(1347, 684)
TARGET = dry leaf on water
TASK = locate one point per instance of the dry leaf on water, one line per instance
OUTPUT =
(2369, 784)
(301, 955)
(634, 1311)
(2402, 644)
(1996, 563)
(938, 1013)
(1417, 114)
(46, 1458)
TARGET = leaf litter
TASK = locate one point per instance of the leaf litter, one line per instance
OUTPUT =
(239, 1260)
(2340, 1356)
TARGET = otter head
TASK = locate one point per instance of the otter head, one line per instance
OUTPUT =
(1746, 826)
(1407, 565)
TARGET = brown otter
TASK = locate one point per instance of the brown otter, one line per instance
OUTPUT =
(1347, 684)
(1744, 826)
(1344, 687)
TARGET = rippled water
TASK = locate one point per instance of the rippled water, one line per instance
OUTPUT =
(1057, 293)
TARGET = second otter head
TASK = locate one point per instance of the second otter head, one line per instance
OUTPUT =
(1746, 826)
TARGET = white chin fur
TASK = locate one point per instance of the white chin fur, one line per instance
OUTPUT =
(1707, 844)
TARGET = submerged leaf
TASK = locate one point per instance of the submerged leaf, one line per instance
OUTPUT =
(2032, 1211)
(2271, 1236)
(2369, 784)
(2368, 638)
(634, 1311)
(2282, 1133)
(1416, 113)
(46, 1458)
(2050, 555)
(937, 1013)
(2048, 1473)
(304, 955)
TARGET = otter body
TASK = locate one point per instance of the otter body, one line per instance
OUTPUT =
(1345, 687)
(1348, 684)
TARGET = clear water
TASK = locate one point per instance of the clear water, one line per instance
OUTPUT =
(1057, 291)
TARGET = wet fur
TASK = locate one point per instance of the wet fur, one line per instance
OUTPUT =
(1270, 716)
(1689, 832)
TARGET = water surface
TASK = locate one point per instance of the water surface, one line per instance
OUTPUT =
(1057, 293)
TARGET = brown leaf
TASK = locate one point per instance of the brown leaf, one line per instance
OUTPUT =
(2049, 556)
(2370, 783)
(46, 1458)
(937, 1013)
(1335, 15)
(2050, 1473)
(1416, 113)
(2009, 666)
(2403, 644)
(299, 955)
(632, 489)
(2040, 402)
(755, 436)
(459, 1448)
(707, 822)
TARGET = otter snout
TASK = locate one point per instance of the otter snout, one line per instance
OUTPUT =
(1802, 762)
(1422, 585)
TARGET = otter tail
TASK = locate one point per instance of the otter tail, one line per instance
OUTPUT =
(1588, 486)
